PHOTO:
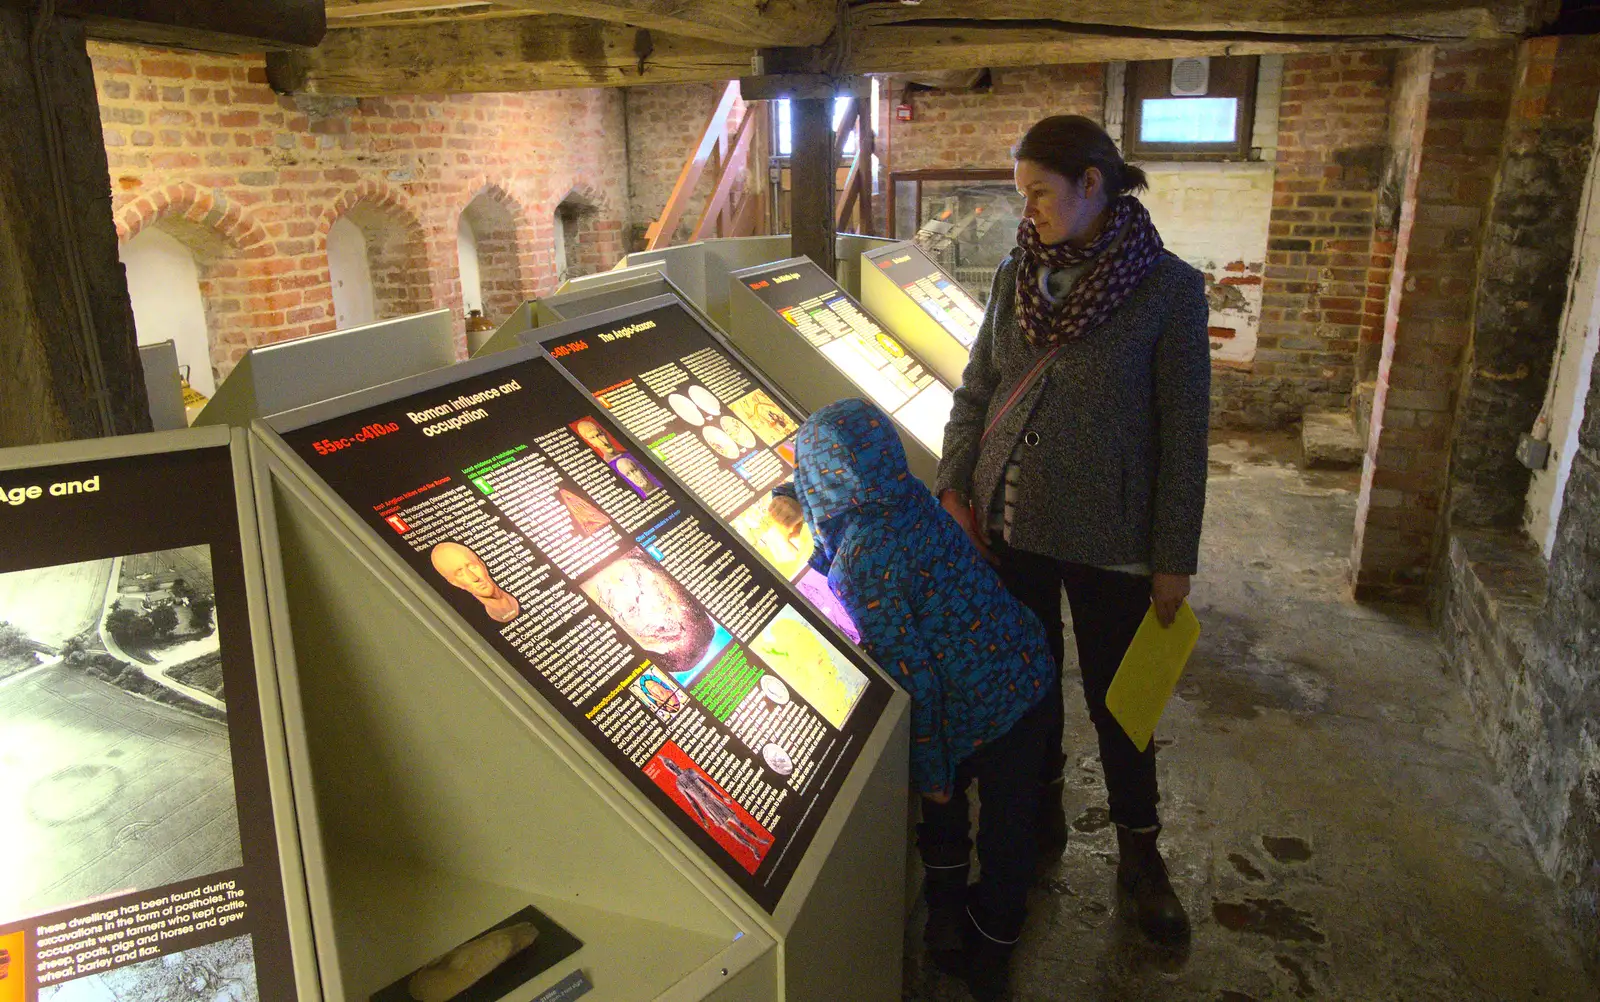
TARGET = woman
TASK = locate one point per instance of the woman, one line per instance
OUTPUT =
(1075, 455)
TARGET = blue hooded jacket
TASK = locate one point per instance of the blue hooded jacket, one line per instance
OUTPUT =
(931, 612)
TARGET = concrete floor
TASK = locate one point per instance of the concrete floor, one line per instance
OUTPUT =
(1333, 825)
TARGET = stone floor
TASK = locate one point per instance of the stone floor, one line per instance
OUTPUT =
(1333, 825)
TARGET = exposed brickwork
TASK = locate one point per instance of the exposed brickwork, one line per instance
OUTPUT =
(1428, 323)
(507, 264)
(1569, 636)
(978, 128)
(252, 181)
(1521, 634)
(1522, 277)
(1332, 125)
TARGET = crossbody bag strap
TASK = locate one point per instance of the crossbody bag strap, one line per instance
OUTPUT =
(1018, 392)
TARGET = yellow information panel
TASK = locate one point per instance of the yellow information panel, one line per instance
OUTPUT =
(1150, 671)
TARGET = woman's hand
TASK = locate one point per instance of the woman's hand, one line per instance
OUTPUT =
(1167, 592)
(961, 511)
(938, 798)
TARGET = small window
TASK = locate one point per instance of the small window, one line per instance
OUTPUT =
(1190, 109)
(783, 125)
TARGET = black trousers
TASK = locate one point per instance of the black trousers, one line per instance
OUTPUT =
(1008, 792)
(1107, 608)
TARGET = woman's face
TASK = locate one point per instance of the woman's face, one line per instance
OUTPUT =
(1061, 209)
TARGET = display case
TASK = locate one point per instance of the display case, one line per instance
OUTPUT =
(520, 672)
(151, 842)
(965, 219)
(820, 346)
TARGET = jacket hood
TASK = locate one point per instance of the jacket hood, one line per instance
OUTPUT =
(849, 461)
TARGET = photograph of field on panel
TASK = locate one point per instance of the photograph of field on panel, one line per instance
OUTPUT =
(137, 821)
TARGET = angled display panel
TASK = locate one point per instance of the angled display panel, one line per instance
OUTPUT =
(505, 335)
(923, 306)
(803, 330)
(847, 251)
(163, 386)
(684, 264)
(147, 823)
(701, 411)
(278, 377)
(629, 609)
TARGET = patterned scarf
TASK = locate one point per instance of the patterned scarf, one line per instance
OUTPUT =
(1109, 281)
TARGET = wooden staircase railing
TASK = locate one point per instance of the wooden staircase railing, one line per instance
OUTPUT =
(727, 158)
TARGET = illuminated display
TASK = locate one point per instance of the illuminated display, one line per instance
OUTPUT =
(707, 418)
(622, 601)
(135, 805)
(877, 363)
(930, 288)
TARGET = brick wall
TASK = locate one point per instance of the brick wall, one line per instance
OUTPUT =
(1522, 277)
(1332, 124)
(1429, 321)
(978, 128)
(1522, 634)
(199, 145)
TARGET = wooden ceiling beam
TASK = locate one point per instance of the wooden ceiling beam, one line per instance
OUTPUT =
(489, 12)
(745, 23)
(911, 49)
(517, 54)
(352, 13)
(1437, 19)
(221, 27)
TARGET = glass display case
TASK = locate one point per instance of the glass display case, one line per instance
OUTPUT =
(966, 219)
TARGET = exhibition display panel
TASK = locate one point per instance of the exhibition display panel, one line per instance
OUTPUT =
(922, 306)
(151, 850)
(505, 335)
(726, 255)
(163, 385)
(847, 251)
(702, 270)
(803, 330)
(700, 410)
(684, 264)
(525, 668)
(289, 374)
(581, 297)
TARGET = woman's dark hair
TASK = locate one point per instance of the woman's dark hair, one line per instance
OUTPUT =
(1070, 144)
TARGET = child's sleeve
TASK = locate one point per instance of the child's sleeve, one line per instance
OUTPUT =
(871, 594)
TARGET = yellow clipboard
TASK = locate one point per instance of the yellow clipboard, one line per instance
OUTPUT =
(1150, 671)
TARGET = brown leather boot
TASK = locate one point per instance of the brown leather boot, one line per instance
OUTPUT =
(1142, 876)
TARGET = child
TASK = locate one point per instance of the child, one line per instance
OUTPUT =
(935, 616)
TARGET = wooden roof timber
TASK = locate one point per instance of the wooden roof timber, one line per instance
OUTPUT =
(515, 54)
(740, 22)
(1445, 18)
(487, 47)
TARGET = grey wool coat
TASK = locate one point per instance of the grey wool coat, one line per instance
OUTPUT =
(1116, 470)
